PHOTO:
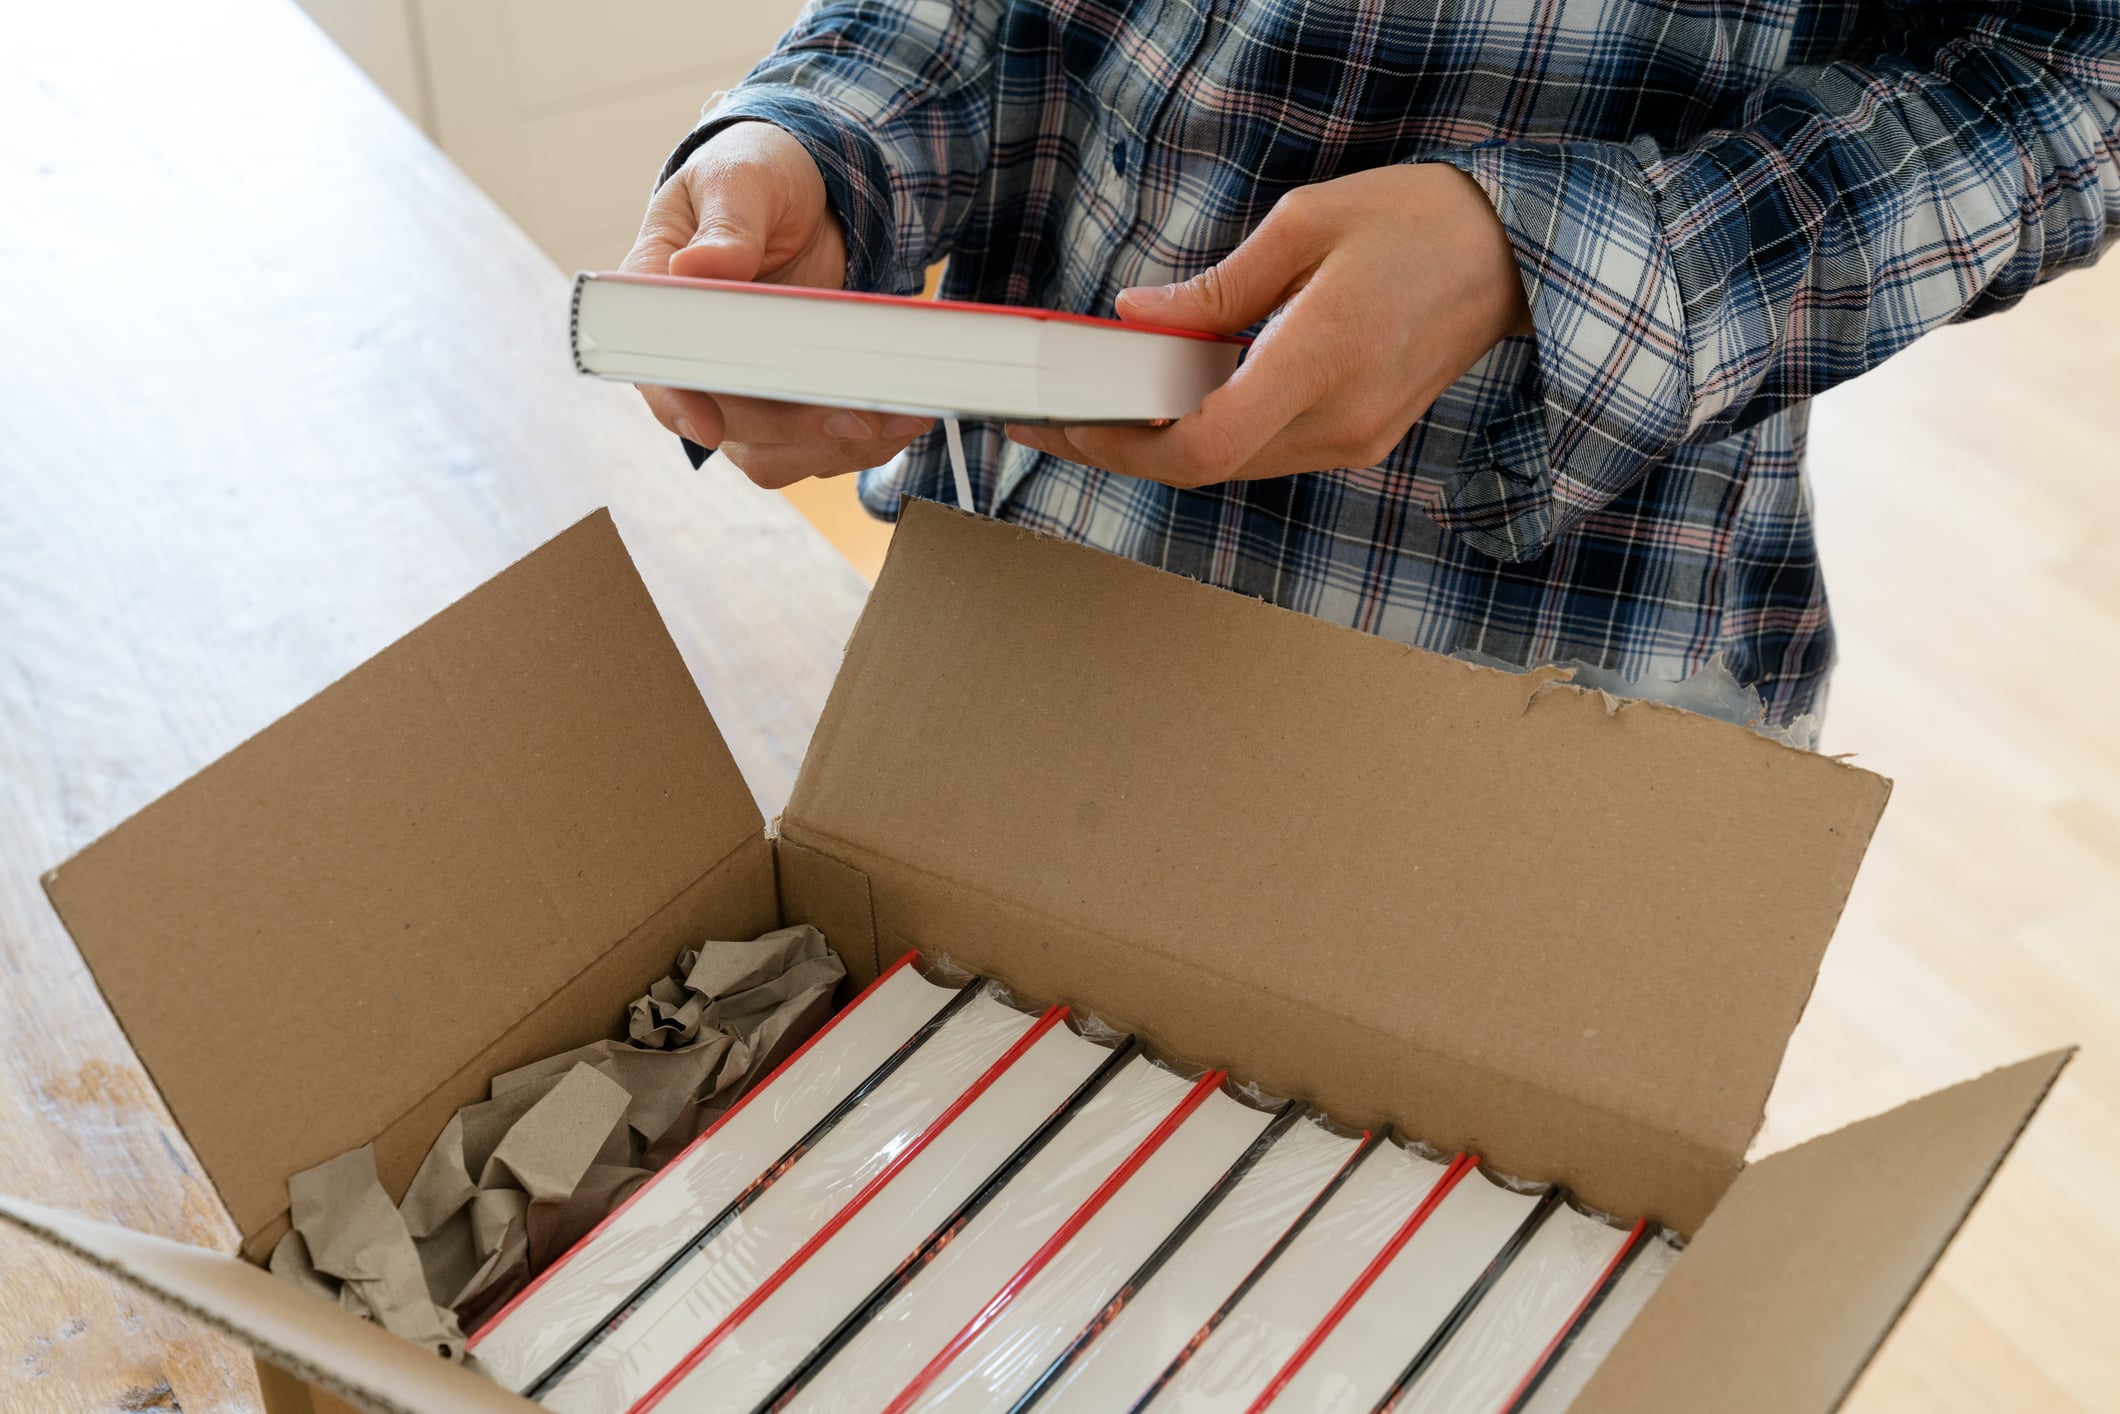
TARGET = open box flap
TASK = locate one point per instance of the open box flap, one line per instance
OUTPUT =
(1808, 1261)
(316, 931)
(1621, 906)
(296, 1330)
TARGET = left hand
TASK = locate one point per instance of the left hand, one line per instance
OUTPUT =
(1389, 283)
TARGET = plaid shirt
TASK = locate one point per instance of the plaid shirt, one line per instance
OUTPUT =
(1719, 211)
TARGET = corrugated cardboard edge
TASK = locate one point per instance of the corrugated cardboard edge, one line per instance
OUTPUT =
(719, 881)
(339, 1352)
(1747, 1320)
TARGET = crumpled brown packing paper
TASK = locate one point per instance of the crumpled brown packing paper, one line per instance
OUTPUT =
(518, 1178)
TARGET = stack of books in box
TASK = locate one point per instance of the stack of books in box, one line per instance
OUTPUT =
(945, 1202)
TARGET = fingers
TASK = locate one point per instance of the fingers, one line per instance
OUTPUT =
(711, 421)
(760, 420)
(777, 464)
(668, 225)
(749, 204)
(693, 416)
(731, 241)
(1288, 370)
(760, 212)
(778, 443)
(1291, 367)
(1246, 285)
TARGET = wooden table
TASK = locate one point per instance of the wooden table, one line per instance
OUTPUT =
(276, 384)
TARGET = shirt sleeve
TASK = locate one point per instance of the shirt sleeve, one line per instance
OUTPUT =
(1682, 296)
(889, 97)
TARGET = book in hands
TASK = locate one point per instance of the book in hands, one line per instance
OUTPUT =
(883, 353)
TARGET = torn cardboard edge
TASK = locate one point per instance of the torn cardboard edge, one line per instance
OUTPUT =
(1409, 842)
(1685, 1351)
(1095, 703)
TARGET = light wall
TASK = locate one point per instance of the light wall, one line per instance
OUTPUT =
(562, 111)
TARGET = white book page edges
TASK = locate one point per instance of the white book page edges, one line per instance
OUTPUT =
(591, 1282)
(712, 1282)
(1053, 1308)
(1495, 1349)
(1249, 1348)
(1574, 1366)
(1155, 1326)
(754, 1358)
(1410, 1298)
(894, 1347)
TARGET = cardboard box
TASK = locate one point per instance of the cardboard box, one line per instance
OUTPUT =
(1494, 910)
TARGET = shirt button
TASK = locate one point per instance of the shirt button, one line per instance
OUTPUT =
(1119, 157)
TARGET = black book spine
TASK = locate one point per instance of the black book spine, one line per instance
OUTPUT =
(1469, 1302)
(901, 1276)
(752, 1192)
(1368, 1146)
(1165, 1250)
(1636, 1241)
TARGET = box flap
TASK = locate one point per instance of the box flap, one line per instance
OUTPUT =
(1810, 1258)
(1404, 843)
(320, 928)
(296, 1330)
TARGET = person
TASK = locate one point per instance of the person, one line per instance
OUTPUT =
(1540, 290)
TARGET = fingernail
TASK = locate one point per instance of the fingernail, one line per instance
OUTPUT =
(684, 430)
(1149, 296)
(847, 425)
(903, 426)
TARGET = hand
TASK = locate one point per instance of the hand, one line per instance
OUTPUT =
(1390, 283)
(749, 205)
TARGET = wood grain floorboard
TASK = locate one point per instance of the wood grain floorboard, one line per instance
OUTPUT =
(1968, 493)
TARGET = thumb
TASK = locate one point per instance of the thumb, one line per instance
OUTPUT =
(740, 201)
(729, 246)
(1248, 284)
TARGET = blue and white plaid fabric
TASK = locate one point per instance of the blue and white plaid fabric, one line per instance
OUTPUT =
(1720, 210)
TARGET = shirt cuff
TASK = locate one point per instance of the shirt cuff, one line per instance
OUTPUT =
(1608, 390)
(855, 179)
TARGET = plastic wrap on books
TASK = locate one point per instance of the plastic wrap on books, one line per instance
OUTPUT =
(1550, 1276)
(550, 1324)
(946, 1315)
(983, 1207)
(724, 1277)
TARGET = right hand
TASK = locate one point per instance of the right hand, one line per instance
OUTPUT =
(749, 205)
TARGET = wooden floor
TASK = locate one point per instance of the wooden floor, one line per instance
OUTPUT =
(832, 507)
(1968, 499)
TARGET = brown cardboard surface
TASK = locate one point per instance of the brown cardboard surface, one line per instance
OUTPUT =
(834, 899)
(1535, 901)
(1362, 1075)
(1810, 1258)
(418, 873)
(299, 1332)
(1504, 914)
